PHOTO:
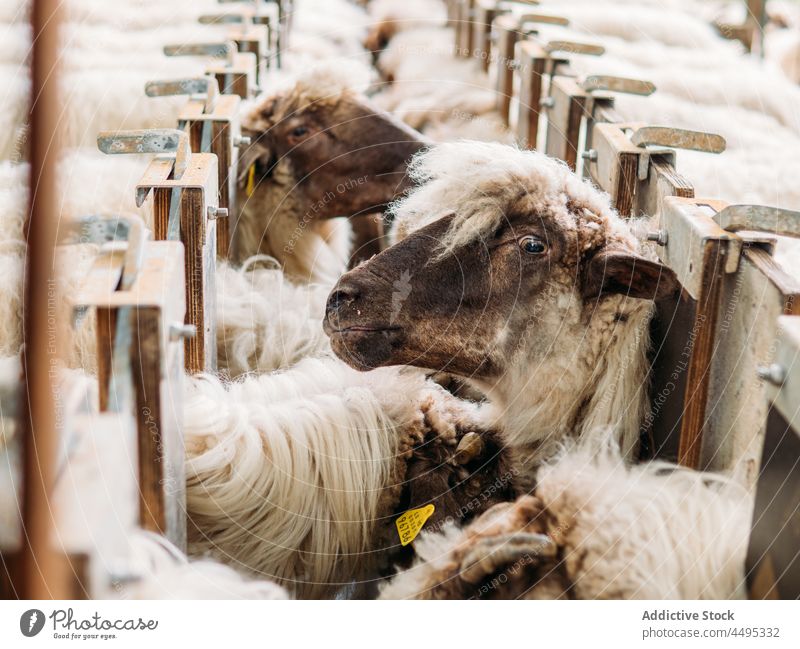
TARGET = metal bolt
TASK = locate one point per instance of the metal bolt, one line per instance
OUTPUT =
(217, 212)
(590, 155)
(180, 331)
(547, 102)
(774, 374)
(661, 237)
(242, 140)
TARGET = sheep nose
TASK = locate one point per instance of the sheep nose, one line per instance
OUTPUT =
(343, 295)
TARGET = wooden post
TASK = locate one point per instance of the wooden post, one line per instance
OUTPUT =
(185, 206)
(213, 126)
(507, 32)
(538, 64)
(464, 31)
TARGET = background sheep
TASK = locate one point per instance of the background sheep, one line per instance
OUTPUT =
(319, 151)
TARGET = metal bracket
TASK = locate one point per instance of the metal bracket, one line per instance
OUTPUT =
(225, 50)
(599, 82)
(672, 138)
(162, 140)
(543, 19)
(785, 223)
(691, 225)
(574, 47)
(207, 86)
(783, 376)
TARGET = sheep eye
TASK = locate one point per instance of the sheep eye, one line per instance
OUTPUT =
(299, 131)
(532, 245)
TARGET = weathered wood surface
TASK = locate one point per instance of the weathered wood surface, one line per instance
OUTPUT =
(154, 303)
(222, 140)
(198, 193)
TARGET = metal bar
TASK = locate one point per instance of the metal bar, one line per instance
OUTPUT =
(160, 140)
(774, 220)
(198, 86)
(678, 138)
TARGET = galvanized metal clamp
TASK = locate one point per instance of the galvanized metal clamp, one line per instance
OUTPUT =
(222, 50)
(206, 86)
(162, 141)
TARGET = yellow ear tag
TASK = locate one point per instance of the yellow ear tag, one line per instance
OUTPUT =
(251, 181)
(410, 523)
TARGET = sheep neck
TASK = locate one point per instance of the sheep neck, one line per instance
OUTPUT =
(591, 386)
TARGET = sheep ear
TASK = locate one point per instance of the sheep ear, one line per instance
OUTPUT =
(624, 273)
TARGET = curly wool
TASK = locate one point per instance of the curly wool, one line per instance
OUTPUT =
(654, 531)
(264, 321)
(288, 473)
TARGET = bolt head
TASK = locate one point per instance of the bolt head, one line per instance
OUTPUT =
(180, 331)
(774, 374)
(661, 237)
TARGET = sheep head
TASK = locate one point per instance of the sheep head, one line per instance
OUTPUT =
(344, 156)
(505, 259)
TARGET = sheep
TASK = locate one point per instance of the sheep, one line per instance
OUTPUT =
(264, 321)
(593, 528)
(390, 17)
(158, 570)
(298, 477)
(91, 185)
(444, 97)
(507, 258)
(304, 167)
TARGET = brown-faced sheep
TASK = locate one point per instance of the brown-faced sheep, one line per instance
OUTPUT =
(319, 150)
(519, 277)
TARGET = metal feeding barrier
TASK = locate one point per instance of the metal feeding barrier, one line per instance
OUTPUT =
(724, 394)
(236, 71)
(111, 463)
(185, 207)
(136, 292)
(213, 124)
(275, 15)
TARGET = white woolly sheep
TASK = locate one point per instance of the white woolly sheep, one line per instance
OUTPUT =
(298, 476)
